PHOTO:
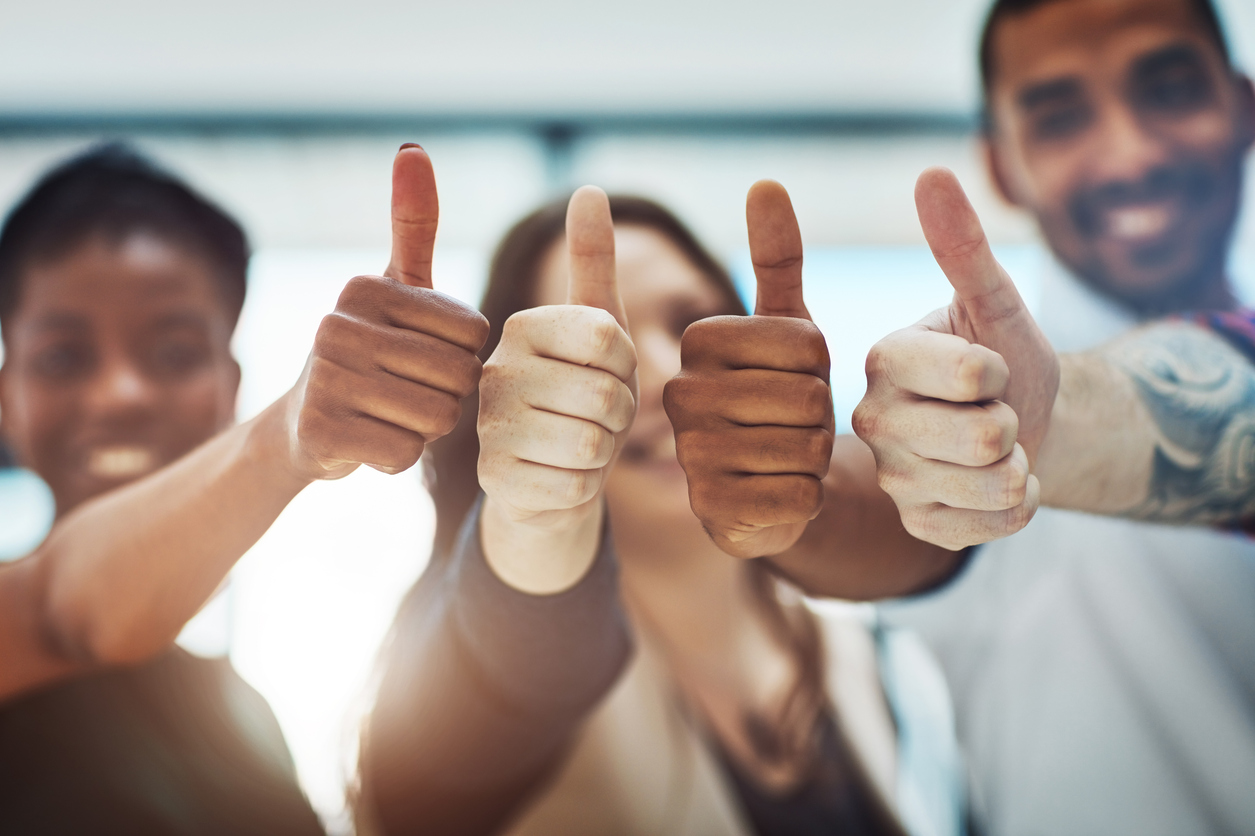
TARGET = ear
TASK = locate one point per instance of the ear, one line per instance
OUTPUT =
(995, 165)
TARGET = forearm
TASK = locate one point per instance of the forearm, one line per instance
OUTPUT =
(125, 572)
(1159, 426)
(483, 690)
(857, 548)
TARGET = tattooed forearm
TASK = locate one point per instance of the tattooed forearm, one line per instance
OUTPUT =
(1199, 392)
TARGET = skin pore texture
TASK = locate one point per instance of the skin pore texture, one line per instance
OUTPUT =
(690, 596)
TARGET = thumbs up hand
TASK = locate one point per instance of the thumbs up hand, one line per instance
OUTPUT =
(958, 405)
(751, 407)
(391, 363)
(557, 399)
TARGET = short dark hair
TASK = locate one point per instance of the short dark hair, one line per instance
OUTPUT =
(1205, 10)
(112, 190)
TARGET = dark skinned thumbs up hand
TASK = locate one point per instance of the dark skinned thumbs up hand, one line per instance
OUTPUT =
(392, 362)
(958, 404)
(751, 407)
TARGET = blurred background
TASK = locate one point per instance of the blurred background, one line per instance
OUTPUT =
(289, 116)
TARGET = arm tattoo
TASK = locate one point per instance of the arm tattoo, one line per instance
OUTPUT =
(1200, 392)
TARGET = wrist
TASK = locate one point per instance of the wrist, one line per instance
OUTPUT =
(269, 443)
(543, 556)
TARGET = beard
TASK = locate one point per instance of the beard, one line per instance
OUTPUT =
(1181, 269)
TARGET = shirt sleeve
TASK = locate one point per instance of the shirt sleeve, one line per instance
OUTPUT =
(484, 689)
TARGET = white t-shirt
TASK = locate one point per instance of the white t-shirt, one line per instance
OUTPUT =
(1102, 670)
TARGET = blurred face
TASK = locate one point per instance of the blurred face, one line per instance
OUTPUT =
(1117, 123)
(117, 362)
(663, 293)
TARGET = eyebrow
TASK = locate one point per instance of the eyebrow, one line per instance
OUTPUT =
(61, 321)
(1168, 58)
(1049, 92)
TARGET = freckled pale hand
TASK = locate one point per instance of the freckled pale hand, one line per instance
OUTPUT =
(558, 395)
(391, 364)
(751, 407)
(958, 405)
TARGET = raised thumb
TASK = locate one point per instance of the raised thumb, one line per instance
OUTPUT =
(590, 243)
(776, 250)
(959, 245)
(415, 214)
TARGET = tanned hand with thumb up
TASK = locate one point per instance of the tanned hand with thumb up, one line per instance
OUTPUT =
(754, 429)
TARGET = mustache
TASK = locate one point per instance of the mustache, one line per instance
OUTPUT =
(1190, 182)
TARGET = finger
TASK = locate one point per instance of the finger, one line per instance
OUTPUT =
(383, 300)
(995, 487)
(572, 334)
(971, 435)
(538, 487)
(365, 439)
(776, 250)
(421, 358)
(590, 242)
(751, 450)
(415, 212)
(741, 342)
(582, 392)
(751, 397)
(559, 441)
(934, 365)
(739, 505)
(957, 528)
(958, 242)
(410, 406)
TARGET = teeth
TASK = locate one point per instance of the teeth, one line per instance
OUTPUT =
(1138, 223)
(120, 462)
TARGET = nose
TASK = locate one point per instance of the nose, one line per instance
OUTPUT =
(1126, 149)
(119, 390)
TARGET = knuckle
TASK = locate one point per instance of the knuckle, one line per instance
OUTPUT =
(818, 449)
(878, 361)
(590, 450)
(969, 375)
(815, 398)
(986, 444)
(445, 412)
(577, 485)
(360, 291)
(603, 333)
(810, 497)
(1011, 484)
(866, 421)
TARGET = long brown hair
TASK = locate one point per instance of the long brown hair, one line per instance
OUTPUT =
(450, 463)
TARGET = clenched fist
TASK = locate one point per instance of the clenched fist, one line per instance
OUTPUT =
(751, 407)
(392, 362)
(958, 405)
(556, 401)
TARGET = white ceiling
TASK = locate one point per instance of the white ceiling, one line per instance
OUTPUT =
(549, 57)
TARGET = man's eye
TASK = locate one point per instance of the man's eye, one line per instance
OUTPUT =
(1176, 92)
(1060, 123)
(63, 362)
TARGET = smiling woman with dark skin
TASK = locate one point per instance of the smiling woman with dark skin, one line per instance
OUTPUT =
(119, 290)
